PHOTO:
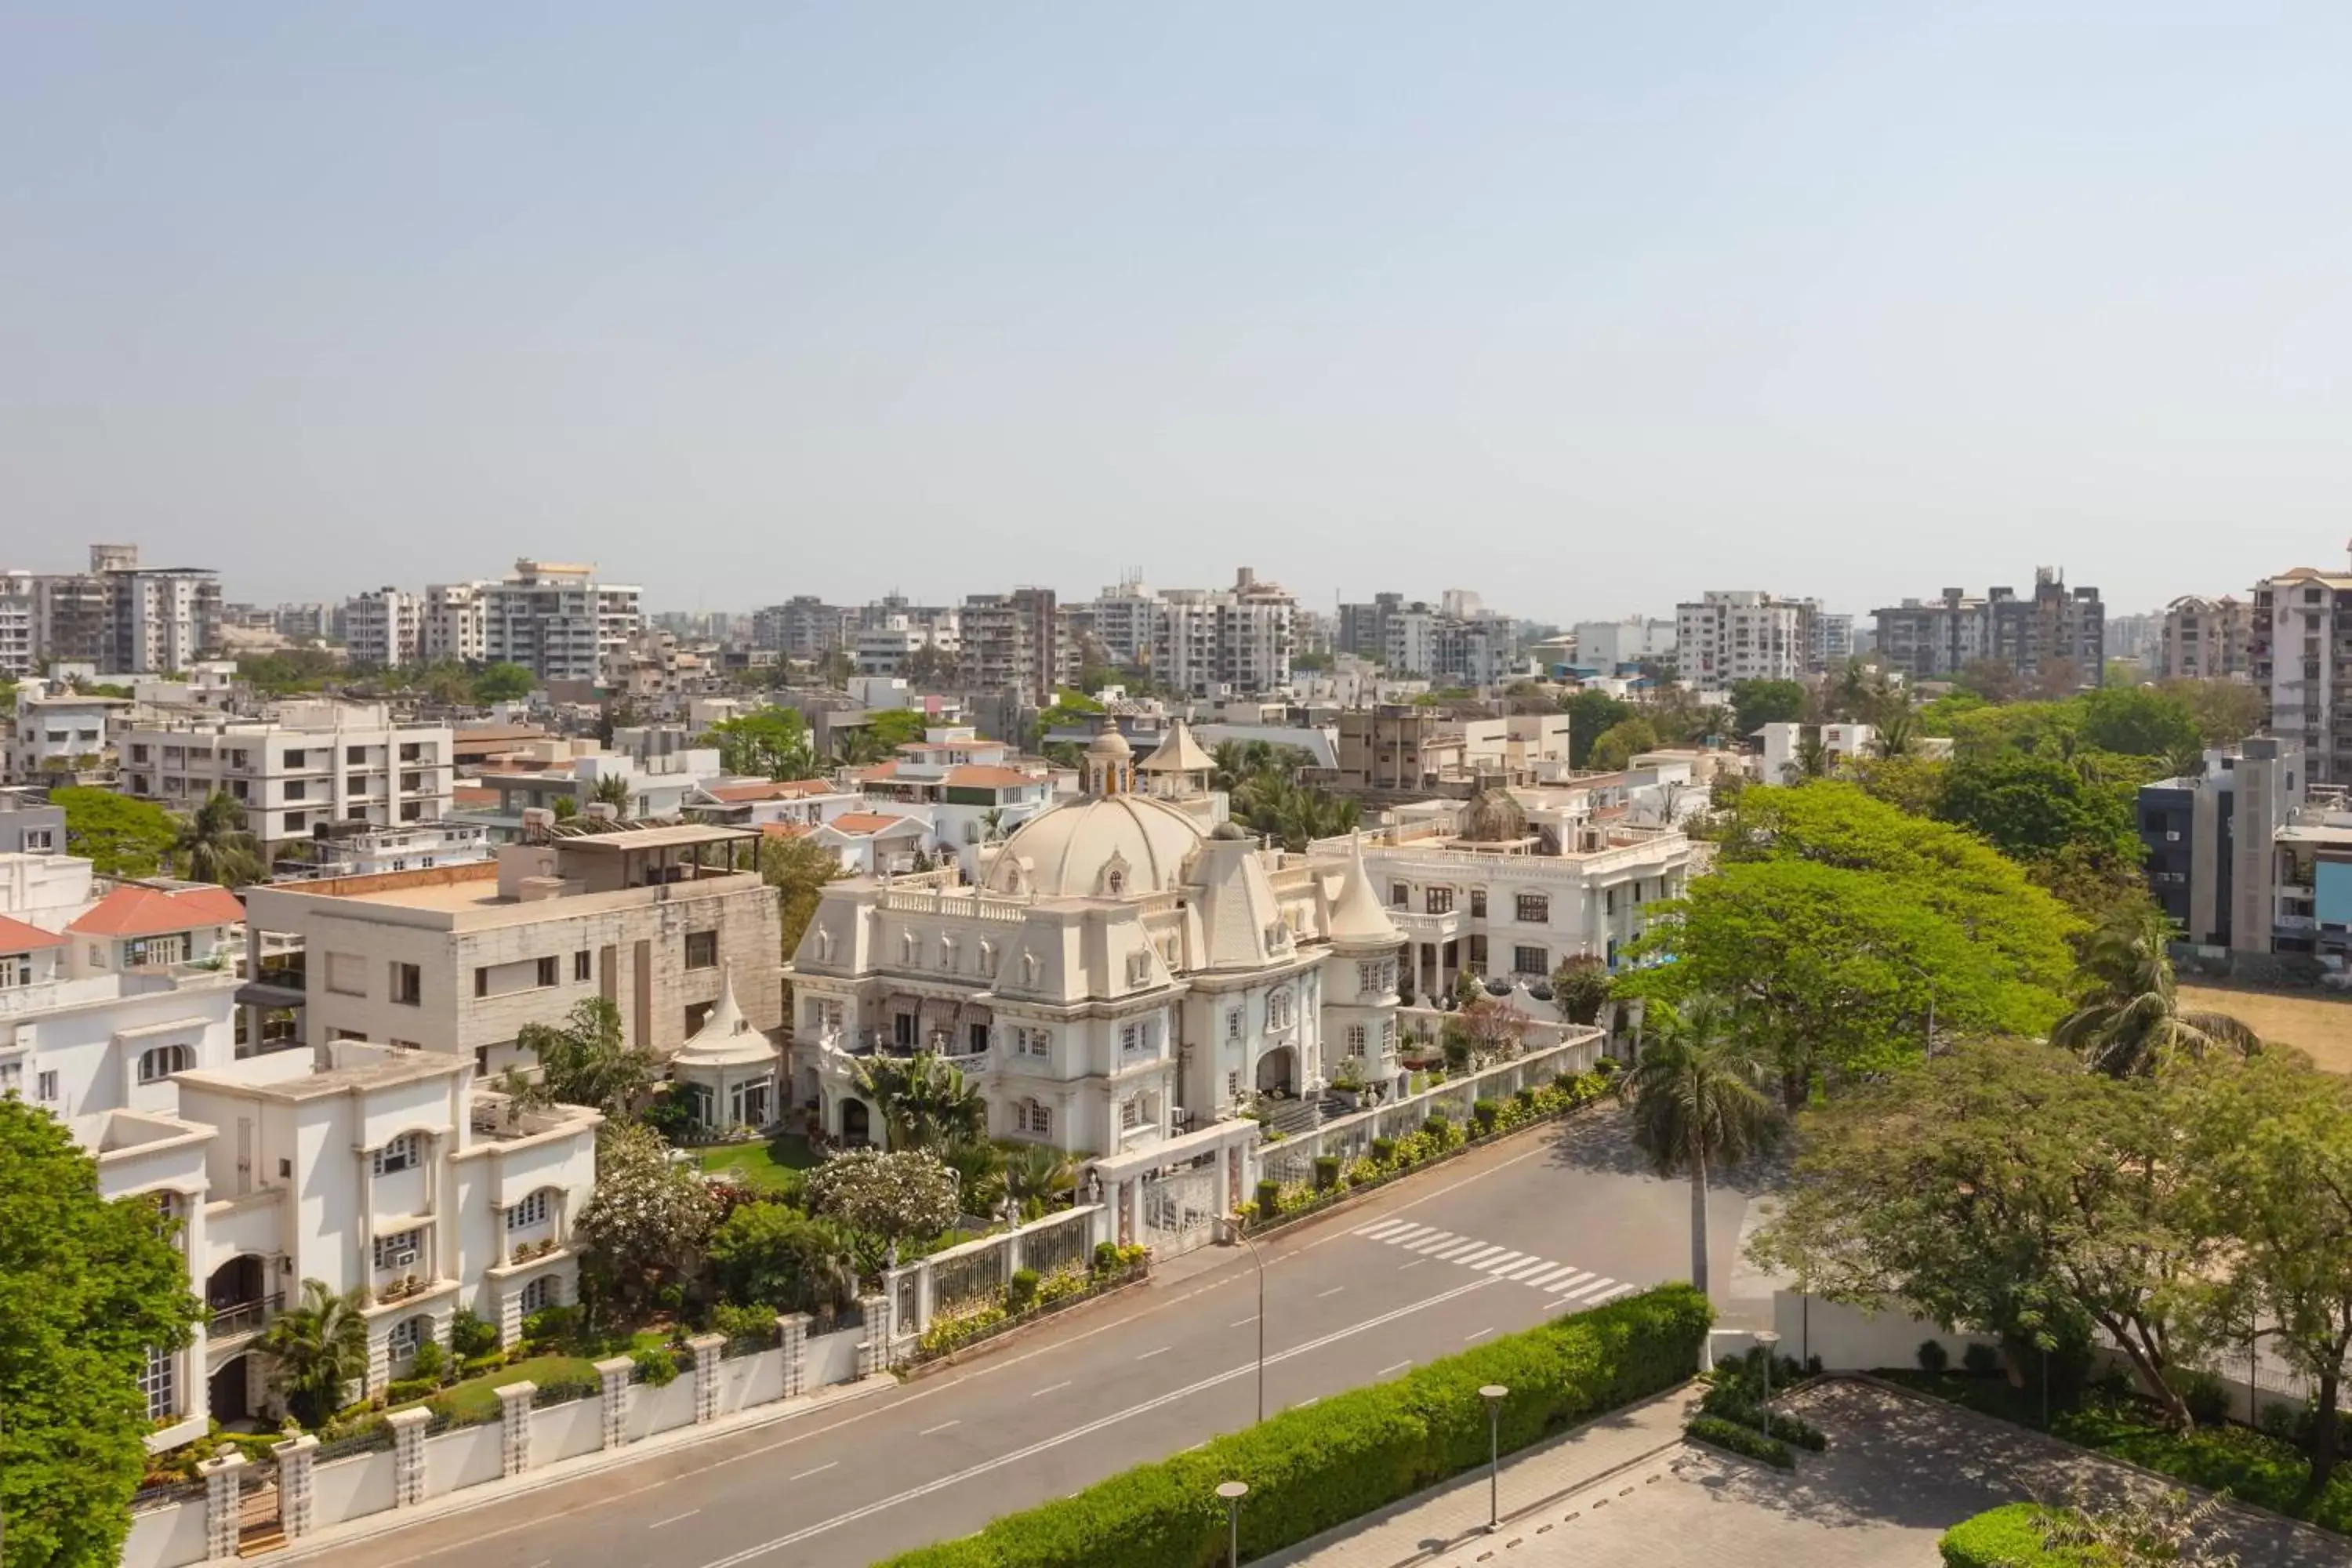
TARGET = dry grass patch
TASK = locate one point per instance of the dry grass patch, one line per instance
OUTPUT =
(2318, 1023)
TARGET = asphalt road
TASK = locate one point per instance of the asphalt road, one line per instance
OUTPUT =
(1490, 1244)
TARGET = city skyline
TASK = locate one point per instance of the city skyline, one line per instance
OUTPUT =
(941, 299)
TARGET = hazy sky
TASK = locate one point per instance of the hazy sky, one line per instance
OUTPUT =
(1586, 307)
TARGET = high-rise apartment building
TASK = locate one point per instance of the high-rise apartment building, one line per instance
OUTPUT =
(121, 615)
(450, 624)
(1743, 635)
(384, 627)
(1125, 620)
(1833, 642)
(2205, 639)
(1604, 645)
(1012, 642)
(557, 621)
(804, 627)
(2056, 628)
(18, 595)
(1225, 642)
(2299, 653)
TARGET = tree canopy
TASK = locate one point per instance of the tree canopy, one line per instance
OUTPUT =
(1620, 742)
(587, 1059)
(2139, 721)
(118, 835)
(1756, 703)
(2031, 807)
(646, 1221)
(504, 683)
(1591, 715)
(769, 743)
(87, 1285)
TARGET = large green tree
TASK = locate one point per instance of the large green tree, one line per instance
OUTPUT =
(588, 1060)
(504, 683)
(2004, 1187)
(215, 846)
(925, 1102)
(771, 742)
(1756, 703)
(646, 1222)
(2139, 721)
(773, 1255)
(118, 835)
(1621, 744)
(1591, 715)
(2031, 807)
(2226, 711)
(86, 1287)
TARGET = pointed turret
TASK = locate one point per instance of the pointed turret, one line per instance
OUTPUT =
(1359, 919)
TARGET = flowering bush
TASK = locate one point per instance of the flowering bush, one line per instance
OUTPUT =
(897, 1196)
(647, 1217)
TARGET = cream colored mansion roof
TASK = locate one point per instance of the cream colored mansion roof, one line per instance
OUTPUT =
(1071, 850)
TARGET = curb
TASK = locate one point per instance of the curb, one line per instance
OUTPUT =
(391, 1521)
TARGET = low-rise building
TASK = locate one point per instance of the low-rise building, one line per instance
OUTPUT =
(301, 765)
(2247, 856)
(63, 736)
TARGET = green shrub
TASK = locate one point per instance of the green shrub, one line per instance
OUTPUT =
(1327, 1172)
(1933, 1357)
(741, 1323)
(470, 1336)
(1021, 1291)
(1363, 1172)
(2207, 1397)
(401, 1390)
(430, 1362)
(1269, 1199)
(476, 1366)
(577, 1385)
(1485, 1113)
(946, 1334)
(1730, 1402)
(2290, 1422)
(2008, 1537)
(1722, 1434)
(1105, 1256)
(551, 1325)
(1383, 1150)
(1310, 1469)
(1981, 1359)
(658, 1364)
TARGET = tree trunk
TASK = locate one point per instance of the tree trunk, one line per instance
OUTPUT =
(2326, 1433)
(1698, 1246)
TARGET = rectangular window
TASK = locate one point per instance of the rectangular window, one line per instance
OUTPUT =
(1356, 1039)
(548, 975)
(1234, 1024)
(159, 1381)
(481, 982)
(153, 951)
(410, 751)
(1131, 1113)
(1399, 895)
(46, 1089)
(1478, 904)
(296, 822)
(1438, 901)
(1233, 1084)
(412, 811)
(580, 968)
(398, 1251)
(293, 758)
(1531, 960)
(902, 1028)
(1607, 900)
(355, 756)
(346, 974)
(1534, 909)
(15, 970)
(355, 785)
(532, 1211)
(400, 1155)
(702, 950)
(407, 982)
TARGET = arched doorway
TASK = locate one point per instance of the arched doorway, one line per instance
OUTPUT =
(1277, 1072)
(856, 1127)
(228, 1392)
(237, 1295)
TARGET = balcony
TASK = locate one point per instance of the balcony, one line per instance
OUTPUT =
(245, 1318)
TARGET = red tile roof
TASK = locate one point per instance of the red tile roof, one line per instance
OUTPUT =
(151, 911)
(16, 936)
(787, 829)
(879, 771)
(766, 789)
(862, 823)
(984, 775)
(464, 795)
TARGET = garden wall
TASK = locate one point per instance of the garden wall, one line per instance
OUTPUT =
(165, 1537)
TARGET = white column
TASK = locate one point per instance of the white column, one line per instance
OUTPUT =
(705, 1348)
(792, 1337)
(222, 1502)
(294, 1465)
(874, 1350)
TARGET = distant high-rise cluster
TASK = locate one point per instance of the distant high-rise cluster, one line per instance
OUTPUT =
(119, 615)
(1934, 639)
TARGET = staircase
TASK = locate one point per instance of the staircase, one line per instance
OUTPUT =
(1292, 1117)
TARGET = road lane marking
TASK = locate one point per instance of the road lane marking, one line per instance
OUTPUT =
(1546, 1274)
(1430, 1243)
(1041, 1393)
(1603, 1283)
(1464, 1251)
(1333, 1291)
(1611, 1295)
(1573, 1280)
(1410, 1233)
(674, 1519)
(1074, 1434)
(1497, 1265)
(1242, 1322)
(1521, 1272)
(1386, 1370)
(935, 1431)
(1473, 1339)
(818, 1472)
(1382, 1228)
(1146, 1355)
(1305, 1403)
(1414, 1264)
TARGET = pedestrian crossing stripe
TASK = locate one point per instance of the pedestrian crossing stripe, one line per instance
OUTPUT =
(1564, 1281)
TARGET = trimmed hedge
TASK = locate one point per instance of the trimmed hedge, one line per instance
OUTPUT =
(1314, 1468)
(2010, 1537)
(1739, 1439)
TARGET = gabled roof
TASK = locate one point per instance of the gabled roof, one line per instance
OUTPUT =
(133, 910)
(985, 775)
(1178, 753)
(865, 824)
(16, 936)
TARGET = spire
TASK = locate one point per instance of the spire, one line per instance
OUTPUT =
(1358, 916)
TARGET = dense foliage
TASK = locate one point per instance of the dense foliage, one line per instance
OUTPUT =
(588, 1060)
(120, 836)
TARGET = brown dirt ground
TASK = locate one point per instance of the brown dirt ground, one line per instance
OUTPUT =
(2318, 1024)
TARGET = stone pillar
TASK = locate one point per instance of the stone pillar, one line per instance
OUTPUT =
(705, 1348)
(222, 1502)
(791, 1338)
(294, 1461)
(874, 1350)
(923, 1282)
(514, 1428)
(408, 1455)
(613, 1372)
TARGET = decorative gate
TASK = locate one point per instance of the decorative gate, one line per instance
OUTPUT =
(1178, 1206)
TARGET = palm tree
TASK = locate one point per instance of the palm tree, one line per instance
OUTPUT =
(926, 1102)
(1038, 1174)
(2185, 762)
(1812, 758)
(1899, 735)
(1698, 1106)
(612, 789)
(2128, 1018)
(859, 748)
(318, 1350)
(992, 825)
(218, 847)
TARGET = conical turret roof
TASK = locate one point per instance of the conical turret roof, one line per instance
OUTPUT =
(1178, 753)
(1359, 919)
(727, 1037)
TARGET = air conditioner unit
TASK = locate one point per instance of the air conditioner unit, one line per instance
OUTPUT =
(402, 1258)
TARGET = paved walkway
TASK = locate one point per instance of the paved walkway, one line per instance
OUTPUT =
(1899, 1472)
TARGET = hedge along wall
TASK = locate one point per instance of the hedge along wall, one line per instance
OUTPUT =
(2010, 1537)
(1311, 1470)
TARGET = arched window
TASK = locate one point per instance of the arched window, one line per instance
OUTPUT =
(542, 1293)
(406, 1335)
(157, 1063)
(1117, 883)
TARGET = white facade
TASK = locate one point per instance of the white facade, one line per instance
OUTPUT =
(1784, 744)
(1742, 635)
(558, 622)
(308, 765)
(59, 731)
(17, 612)
(384, 627)
(1228, 642)
(1604, 645)
(451, 625)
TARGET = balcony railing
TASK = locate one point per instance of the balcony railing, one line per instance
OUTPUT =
(245, 1318)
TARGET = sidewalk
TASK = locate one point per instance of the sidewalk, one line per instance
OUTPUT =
(1621, 1451)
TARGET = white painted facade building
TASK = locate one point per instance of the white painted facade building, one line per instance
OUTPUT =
(304, 764)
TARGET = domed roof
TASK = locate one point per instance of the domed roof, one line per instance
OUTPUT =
(1109, 742)
(1493, 817)
(1104, 846)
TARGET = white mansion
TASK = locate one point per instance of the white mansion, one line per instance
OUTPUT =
(1130, 966)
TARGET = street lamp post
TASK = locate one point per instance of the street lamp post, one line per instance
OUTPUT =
(1256, 1257)
(1769, 1339)
(1233, 1492)
(1493, 1394)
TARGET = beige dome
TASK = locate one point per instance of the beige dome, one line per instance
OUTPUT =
(1076, 850)
(1109, 742)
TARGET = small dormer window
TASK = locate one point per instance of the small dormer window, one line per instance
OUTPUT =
(1028, 969)
(988, 959)
(1116, 882)
(824, 945)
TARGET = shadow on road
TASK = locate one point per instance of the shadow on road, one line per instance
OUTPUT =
(1602, 1144)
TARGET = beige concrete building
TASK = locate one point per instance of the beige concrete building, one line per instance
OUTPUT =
(459, 959)
(2207, 640)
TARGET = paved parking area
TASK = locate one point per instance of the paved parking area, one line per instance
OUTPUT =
(1899, 1472)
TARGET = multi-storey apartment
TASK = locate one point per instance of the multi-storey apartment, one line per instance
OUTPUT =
(18, 612)
(1833, 639)
(1124, 618)
(458, 959)
(2207, 640)
(1012, 642)
(1218, 643)
(1934, 639)
(1606, 644)
(804, 627)
(121, 615)
(450, 624)
(2246, 856)
(62, 735)
(383, 628)
(1743, 635)
(558, 622)
(2299, 653)
(305, 764)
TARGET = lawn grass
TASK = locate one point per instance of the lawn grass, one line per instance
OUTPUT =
(762, 1165)
(2249, 1465)
(477, 1398)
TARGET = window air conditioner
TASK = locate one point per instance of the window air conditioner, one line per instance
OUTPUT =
(401, 1258)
